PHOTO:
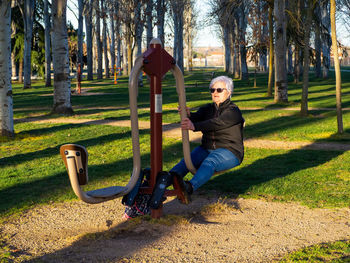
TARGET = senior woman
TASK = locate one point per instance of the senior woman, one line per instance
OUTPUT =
(221, 123)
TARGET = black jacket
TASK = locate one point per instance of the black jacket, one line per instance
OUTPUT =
(222, 127)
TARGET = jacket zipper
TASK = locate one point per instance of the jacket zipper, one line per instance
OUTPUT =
(213, 137)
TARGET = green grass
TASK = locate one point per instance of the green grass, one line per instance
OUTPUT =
(325, 252)
(32, 172)
(30, 163)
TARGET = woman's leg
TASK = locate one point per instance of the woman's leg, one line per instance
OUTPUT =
(218, 160)
(197, 156)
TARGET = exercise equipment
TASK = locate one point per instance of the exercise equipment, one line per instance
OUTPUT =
(156, 62)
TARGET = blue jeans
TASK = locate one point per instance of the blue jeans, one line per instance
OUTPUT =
(207, 162)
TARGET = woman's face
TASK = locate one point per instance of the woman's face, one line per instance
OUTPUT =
(219, 97)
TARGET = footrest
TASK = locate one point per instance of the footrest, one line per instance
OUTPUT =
(107, 192)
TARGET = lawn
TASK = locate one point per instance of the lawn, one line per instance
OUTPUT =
(30, 163)
(32, 172)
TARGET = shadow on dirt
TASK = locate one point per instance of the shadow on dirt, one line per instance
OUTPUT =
(127, 238)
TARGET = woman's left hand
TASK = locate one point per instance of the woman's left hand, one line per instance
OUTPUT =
(187, 124)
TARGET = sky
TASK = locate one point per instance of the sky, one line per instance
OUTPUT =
(206, 35)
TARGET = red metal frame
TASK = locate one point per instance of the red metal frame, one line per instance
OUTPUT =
(156, 63)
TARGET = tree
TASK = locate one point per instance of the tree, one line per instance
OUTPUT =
(17, 42)
(307, 26)
(318, 43)
(98, 38)
(149, 22)
(28, 14)
(60, 55)
(47, 20)
(336, 67)
(112, 28)
(80, 33)
(177, 9)
(6, 102)
(88, 29)
(326, 38)
(271, 50)
(118, 35)
(281, 84)
(241, 25)
(161, 9)
(104, 38)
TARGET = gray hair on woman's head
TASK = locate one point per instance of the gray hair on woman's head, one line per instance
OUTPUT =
(228, 82)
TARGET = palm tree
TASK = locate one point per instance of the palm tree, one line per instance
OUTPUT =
(6, 102)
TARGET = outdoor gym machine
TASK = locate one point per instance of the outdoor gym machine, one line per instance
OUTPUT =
(156, 62)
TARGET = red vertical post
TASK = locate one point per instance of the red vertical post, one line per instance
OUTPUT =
(156, 128)
(156, 62)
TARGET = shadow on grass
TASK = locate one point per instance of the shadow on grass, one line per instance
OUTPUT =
(236, 182)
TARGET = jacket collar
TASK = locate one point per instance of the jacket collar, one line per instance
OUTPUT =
(223, 104)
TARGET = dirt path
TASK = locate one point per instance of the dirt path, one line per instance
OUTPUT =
(243, 230)
(173, 130)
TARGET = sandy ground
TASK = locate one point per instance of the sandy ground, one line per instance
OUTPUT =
(246, 230)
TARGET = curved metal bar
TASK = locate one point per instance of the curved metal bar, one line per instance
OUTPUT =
(72, 154)
(180, 89)
(133, 93)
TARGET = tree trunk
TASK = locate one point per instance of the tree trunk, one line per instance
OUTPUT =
(263, 53)
(88, 29)
(28, 36)
(242, 22)
(296, 64)
(138, 35)
(104, 39)
(227, 48)
(149, 18)
(271, 53)
(98, 40)
(47, 44)
(318, 44)
(175, 18)
(20, 71)
(326, 39)
(130, 55)
(13, 64)
(180, 49)
(125, 58)
(336, 68)
(112, 46)
(305, 90)
(237, 65)
(290, 60)
(80, 33)
(118, 28)
(160, 20)
(232, 65)
(281, 84)
(6, 101)
(60, 55)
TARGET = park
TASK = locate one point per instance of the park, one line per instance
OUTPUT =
(289, 199)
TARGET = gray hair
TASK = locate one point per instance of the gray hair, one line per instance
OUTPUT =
(228, 82)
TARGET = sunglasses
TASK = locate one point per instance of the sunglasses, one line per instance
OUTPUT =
(219, 90)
